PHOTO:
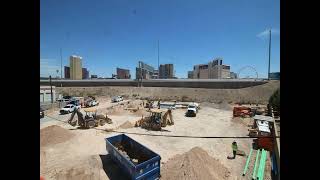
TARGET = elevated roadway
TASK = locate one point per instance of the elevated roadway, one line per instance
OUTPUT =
(177, 83)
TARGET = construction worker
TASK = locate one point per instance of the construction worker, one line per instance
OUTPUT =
(234, 149)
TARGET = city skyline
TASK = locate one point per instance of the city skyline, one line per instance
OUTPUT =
(235, 31)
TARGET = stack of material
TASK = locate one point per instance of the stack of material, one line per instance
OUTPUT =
(194, 164)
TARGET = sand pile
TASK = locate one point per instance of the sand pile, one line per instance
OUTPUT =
(87, 168)
(117, 111)
(194, 164)
(126, 125)
(54, 135)
(42, 158)
(141, 112)
(223, 105)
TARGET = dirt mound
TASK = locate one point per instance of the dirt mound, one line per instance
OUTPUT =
(223, 105)
(141, 112)
(42, 158)
(89, 168)
(194, 164)
(54, 135)
(126, 125)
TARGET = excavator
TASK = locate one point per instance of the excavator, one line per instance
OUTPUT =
(90, 120)
(157, 119)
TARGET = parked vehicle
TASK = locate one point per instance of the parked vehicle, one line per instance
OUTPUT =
(76, 103)
(68, 109)
(117, 99)
(41, 113)
(67, 97)
(90, 103)
(192, 110)
(94, 103)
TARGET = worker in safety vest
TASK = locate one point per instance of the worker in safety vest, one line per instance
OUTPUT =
(234, 149)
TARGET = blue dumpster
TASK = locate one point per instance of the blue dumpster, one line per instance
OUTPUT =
(148, 165)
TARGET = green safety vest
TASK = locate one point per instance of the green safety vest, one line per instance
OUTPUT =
(234, 147)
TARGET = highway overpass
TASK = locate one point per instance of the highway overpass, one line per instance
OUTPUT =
(177, 83)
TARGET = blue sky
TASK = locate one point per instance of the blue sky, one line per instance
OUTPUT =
(118, 33)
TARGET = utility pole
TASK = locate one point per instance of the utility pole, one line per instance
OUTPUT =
(61, 66)
(51, 89)
(269, 54)
(61, 62)
(158, 61)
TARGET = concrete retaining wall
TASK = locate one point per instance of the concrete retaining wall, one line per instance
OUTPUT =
(178, 83)
(255, 94)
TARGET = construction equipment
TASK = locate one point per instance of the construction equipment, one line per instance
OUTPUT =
(157, 119)
(242, 111)
(149, 104)
(90, 120)
(262, 128)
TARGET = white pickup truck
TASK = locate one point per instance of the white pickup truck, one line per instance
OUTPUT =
(192, 110)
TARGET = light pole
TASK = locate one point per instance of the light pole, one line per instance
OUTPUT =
(269, 54)
(51, 89)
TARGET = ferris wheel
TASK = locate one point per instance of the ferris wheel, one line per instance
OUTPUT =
(250, 76)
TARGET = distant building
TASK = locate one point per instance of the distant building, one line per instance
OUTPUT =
(145, 71)
(155, 74)
(200, 71)
(233, 75)
(94, 76)
(275, 75)
(190, 74)
(45, 94)
(75, 67)
(85, 73)
(166, 71)
(123, 73)
(213, 70)
(67, 72)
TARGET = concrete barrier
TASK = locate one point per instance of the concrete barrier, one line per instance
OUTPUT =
(177, 83)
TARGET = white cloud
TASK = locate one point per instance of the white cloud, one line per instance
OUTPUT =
(265, 34)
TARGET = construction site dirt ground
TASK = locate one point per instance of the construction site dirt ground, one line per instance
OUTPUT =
(84, 155)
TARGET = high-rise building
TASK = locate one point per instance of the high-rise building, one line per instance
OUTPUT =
(213, 70)
(85, 73)
(144, 71)
(66, 72)
(123, 73)
(166, 71)
(75, 67)
(190, 74)
(94, 76)
(155, 74)
(233, 75)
